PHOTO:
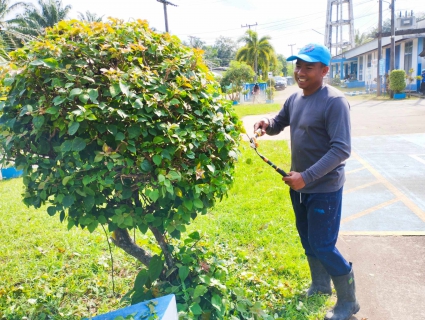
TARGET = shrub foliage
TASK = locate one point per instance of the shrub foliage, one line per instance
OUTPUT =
(116, 125)
(397, 80)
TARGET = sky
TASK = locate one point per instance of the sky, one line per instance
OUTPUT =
(290, 24)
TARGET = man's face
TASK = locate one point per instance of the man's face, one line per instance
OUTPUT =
(309, 75)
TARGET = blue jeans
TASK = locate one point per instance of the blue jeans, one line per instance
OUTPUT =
(318, 217)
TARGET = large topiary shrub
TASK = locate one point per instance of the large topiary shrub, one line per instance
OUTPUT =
(397, 80)
(118, 126)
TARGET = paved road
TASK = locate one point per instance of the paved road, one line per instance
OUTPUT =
(383, 220)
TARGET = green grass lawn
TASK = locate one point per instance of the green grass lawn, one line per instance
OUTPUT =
(48, 272)
(253, 109)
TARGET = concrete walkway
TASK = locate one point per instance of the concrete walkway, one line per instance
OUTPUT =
(383, 220)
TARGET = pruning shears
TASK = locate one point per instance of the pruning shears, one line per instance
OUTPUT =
(254, 144)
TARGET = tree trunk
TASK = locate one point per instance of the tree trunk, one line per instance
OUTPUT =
(164, 247)
(121, 238)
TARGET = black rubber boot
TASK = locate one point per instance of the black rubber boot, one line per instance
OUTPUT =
(320, 278)
(346, 304)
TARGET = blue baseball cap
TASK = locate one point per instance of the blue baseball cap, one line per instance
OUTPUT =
(313, 52)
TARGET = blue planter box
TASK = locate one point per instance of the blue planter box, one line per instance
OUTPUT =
(398, 96)
(269, 101)
(165, 309)
(9, 173)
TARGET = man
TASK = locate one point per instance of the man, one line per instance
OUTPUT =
(319, 123)
(256, 93)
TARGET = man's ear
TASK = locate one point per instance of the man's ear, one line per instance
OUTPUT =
(325, 70)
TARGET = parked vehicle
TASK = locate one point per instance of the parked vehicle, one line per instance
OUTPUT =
(280, 83)
(290, 80)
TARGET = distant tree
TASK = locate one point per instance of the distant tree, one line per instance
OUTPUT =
(361, 39)
(256, 52)
(226, 50)
(234, 78)
(35, 19)
(89, 17)
(194, 42)
(210, 53)
(281, 58)
(386, 27)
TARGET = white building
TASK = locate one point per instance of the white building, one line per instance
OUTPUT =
(360, 65)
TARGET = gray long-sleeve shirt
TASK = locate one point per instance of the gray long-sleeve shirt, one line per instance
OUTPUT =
(320, 137)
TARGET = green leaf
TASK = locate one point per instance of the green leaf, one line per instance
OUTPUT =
(146, 166)
(153, 195)
(114, 89)
(66, 180)
(89, 202)
(141, 279)
(157, 159)
(188, 204)
(78, 144)
(200, 290)
(122, 114)
(38, 122)
(198, 203)
(51, 63)
(183, 273)
(73, 127)
(196, 309)
(58, 100)
(53, 110)
(66, 146)
(68, 201)
(174, 101)
(174, 175)
(158, 139)
(120, 136)
(92, 226)
(93, 94)
(51, 210)
(124, 88)
(75, 92)
(7, 82)
(156, 265)
(98, 157)
(86, 180)
(37, 63)
(217, 302)
(134, 132)
(84, 97)
(137, 104)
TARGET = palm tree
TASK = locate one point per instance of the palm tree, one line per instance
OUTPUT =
(256, 52)
(89, 17)
(35, 19)
(9, 40)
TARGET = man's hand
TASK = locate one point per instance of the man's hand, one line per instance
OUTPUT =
(294, 180)
(262, 124)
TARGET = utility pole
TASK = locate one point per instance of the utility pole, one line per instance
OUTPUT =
(392, 51)
(378, 82)
(165, 3)
(292, 63)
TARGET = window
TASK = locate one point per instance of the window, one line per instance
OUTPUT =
(369, 60)
(408, 49)
(361, 69)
